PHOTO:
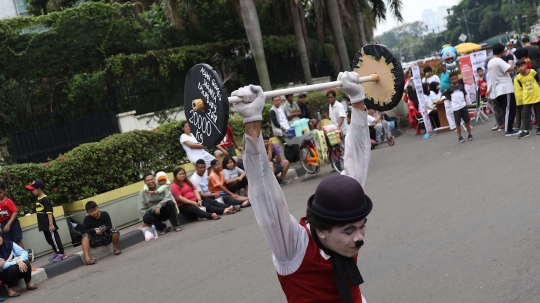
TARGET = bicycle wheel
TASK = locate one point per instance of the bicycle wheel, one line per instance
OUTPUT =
(335, 154)
(306, 153)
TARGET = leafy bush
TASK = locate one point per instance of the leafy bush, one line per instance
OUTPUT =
(94, 168)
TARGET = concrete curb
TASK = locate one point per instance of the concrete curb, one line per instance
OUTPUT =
(62, 267)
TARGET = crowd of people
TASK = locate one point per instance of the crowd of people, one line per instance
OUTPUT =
(508, 80)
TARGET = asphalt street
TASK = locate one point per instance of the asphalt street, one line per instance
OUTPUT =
(451, 223)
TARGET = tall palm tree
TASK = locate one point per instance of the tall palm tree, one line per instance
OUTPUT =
(335, 20)
(254, 35)
(297, 18)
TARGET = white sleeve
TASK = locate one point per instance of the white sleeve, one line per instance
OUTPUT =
(342, 113)
(286, 238)
(240, 171)
(357, 148)
(438, 80)
(195, 181)
(183, 138)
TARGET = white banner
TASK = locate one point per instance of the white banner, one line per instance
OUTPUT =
(420, 94)
(477, 60)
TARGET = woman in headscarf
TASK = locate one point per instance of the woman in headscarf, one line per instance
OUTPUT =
(14, 266)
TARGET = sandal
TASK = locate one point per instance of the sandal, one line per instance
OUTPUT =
(215, 216)
(14, 295)
(33, 287)
(117, 252)
(178, 228)
(166, 230)
(91, 262)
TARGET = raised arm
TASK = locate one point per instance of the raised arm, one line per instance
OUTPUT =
(357, 141)
(286, 238)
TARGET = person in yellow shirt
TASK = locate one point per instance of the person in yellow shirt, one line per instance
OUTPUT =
(527, 93)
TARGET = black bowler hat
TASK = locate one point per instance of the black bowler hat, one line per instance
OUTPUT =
(340, 199)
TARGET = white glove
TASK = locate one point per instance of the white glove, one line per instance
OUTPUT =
(351, 86)
(250, 109)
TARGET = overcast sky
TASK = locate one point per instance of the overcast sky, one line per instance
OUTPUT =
(412, 11)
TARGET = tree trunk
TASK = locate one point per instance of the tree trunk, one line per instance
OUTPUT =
(254, 35)
(335, 20)
(360, 19)
(354, 32)
(302, 50)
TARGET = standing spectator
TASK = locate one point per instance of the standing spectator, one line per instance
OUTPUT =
(336, 112)
(501, 88)
(11, 227)
(228, 145)
(445, 77)
(14, 266)
(216, 184)
(430, 96)
(99, 231)
(276, 163)
(429, 76)
(46, 221)
(291, 108)
(302, 98)
(458, 96)
(534, 52)
(481, 83)
(280, 123)
(157, 207)
(499, 117)
(194, 150)
(527, 95)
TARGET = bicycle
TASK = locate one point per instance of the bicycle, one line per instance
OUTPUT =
(310, 160)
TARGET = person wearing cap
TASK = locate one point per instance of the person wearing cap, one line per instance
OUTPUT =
(291, 108)
(157, 207)
(305, 114)
(315, 258)
(46, 221)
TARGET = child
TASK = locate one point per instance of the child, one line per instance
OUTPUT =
(482, 84)
(527, 94)
(46, 221)
(11, 227)
(163, 182)
(98, 231)
(457, 95)
(235, 177)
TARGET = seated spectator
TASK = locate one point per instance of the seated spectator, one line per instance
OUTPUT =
(189, 200)
(99, 231)
(379, 124)
(200, 180)
(194, 150)
(305, 114)
(11, 227)
(14, 266)
(228, 145)
(235, 177)
(216, 184)
(428, 102)
(278, 119)
(276, 163)
(158, 207)
(163, 183)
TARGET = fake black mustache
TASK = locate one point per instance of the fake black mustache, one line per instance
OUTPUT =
(359, 243)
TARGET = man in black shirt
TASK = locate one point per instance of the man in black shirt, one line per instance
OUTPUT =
(534, 52)
(98, 231)
(305, 111)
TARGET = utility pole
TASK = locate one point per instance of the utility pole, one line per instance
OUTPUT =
(516, 17)
(467, 25)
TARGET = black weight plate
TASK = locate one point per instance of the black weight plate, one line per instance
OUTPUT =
(378, 59)
(209, 126)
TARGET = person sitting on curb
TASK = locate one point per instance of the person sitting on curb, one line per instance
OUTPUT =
(158, 207)
(98, 231)
(163, 183)
(14, 265)
(200, 181)
(235, 177)
(276, 164)
(189, 199)
(216, 185)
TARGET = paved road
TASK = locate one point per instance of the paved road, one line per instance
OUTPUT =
(451, 223)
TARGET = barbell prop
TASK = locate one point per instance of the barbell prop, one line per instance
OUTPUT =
(206, 101)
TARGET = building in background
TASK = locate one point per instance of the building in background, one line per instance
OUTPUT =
(12, 8)
(435, 20)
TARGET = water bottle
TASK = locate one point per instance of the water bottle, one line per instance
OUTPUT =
(318, 116)
(154, 231)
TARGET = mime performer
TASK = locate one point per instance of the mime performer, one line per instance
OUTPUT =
(315, 258)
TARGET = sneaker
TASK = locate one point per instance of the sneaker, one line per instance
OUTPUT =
(59, 257)
(285, 182)
(538, 131)
(519, 132)
(511, 133)
(461, 140)
(30, 255)
(500, 129)
(494, 128)
(53, 257)
(470, 137)
(524, 134)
